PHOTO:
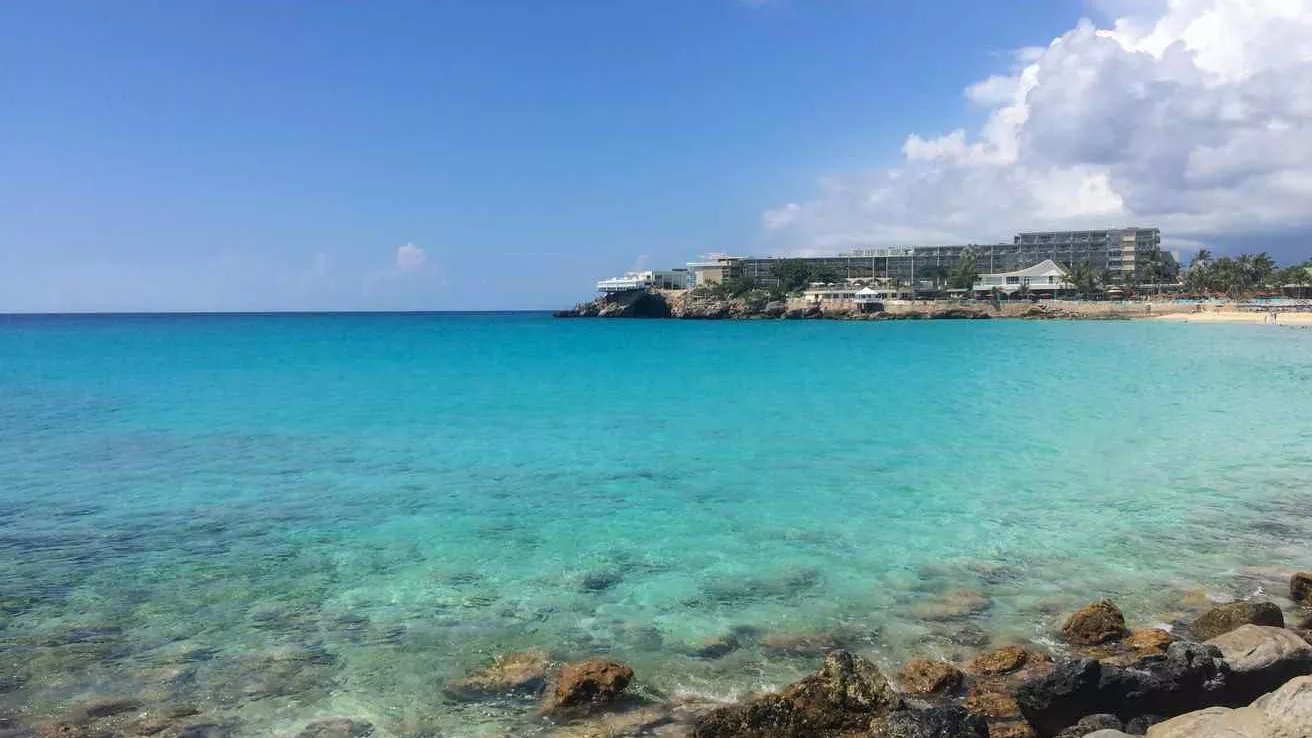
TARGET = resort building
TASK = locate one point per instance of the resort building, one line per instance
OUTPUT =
(1134, 254)
(673, 279)
(1046, 278)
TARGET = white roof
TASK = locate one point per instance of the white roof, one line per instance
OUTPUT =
(1045, 268)
(867, 291)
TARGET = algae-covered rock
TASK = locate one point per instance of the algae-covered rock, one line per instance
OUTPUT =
(1094, 624)
(1225, 618)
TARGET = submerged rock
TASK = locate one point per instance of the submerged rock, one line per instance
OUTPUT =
(844, 695)
(337, 728)
(587, 686)
(934, 722)
(952, 605)
(1262, 658)
(1094, 624)
(519, 673)
(1223, 619)
(929, 677)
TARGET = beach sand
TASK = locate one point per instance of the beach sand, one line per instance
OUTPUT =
(1235, 316)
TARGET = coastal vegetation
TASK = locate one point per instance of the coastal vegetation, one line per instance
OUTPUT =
(1243, 275)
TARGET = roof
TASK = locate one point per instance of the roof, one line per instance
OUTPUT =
(1045, 268)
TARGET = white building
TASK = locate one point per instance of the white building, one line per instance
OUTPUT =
(713, 269)
(1044, 277)
(672, 279)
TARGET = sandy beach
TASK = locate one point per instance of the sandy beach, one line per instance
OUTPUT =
(1236, 316)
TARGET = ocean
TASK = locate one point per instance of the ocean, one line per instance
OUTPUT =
(275, 518)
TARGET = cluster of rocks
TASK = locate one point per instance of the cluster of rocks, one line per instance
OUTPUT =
(1233, 672)
(694, 306)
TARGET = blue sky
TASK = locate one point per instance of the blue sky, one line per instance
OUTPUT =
(478, 154)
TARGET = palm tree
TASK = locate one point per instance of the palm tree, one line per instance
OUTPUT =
(965, 274)
(1083, 277)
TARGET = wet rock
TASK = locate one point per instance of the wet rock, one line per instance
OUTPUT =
(1012, 729)
(1149, 641)
(847, 693)
(801, 644)
(69, 730)
(1094, 624)
(1091, 723)
(644, 721)
(1285, 713)
(952, 605)
(970, 636)
(1062, 696)
(1108, 733)
(1223, 619)
(1190, 676)
(599, 581)
(1262, 658)
(337, 728)
(207, 730)
(935, 722)
(105, 708)
(1141, 724)
(929, 677)
(999, 661)
(587, 686)
(991, 702)
(715, 648)
(1300, 588)
(520, 673)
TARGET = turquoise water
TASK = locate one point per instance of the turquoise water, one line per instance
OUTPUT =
(284, 517)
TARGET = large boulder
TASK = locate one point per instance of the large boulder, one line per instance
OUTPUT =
(1002, 661)
(1226, 618)
(521, 673)
(1285, 713)
(587, 686)
(935, 722)
(846, 694)
(1092, 723)
(1094, 624)
(1262, 658)
(1190, 676)
(1300, 587)
(929, 677)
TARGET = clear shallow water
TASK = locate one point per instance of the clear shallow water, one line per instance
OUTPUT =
(283, 517)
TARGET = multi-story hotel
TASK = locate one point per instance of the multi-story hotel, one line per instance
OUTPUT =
(1133, 253)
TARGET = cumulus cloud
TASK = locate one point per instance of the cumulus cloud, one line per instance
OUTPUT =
(1193, 115)
(410, 257)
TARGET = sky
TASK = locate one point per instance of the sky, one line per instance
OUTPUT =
(213, 155)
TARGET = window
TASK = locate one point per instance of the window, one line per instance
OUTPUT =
(1015, 280)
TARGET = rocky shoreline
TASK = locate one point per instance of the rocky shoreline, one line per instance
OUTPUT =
(1236, 671)
(691, 305)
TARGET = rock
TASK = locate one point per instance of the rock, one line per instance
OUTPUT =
(1062, 696)
(1285, 713)
(1300, 587)
(519, 673)
(847, 693)
(598, 581)
(714, 648)
(934, 722)
(1017, 729)
(801, 644)
(1190, 676)
(1262, 658)
(1141, 724)
(952, 605)
(105, 708)
(775, 309)
(1108, 733)
(929, 677)
(650, 720)
(1149, 641)
(1223, 619)
(991, 702)
(1094, 624)
(587, 686)
(1091, 723)
(337, 728)
(999, 661)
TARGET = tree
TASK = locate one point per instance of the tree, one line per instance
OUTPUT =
(1083, 277)
(793, 274)
(937, 274)
(966, 272)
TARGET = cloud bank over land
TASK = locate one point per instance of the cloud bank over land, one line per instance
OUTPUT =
(1191, 115)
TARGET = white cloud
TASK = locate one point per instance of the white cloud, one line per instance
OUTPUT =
(410, 257)
(1194, 115)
